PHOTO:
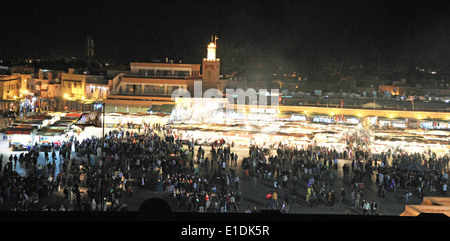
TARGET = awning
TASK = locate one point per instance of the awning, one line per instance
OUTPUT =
(165, 108)
(50, 132)
(73, 114)
(292, 113)
(382, 118)
(317, 115)
(155, 108)
(19, 131)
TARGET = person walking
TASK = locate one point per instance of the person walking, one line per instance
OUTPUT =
(366, 207)
(269, 199)
(342, 196)
(285, 207)
(373, 207)
(93, 205)
(275, 199)
(357, 200)
(353, 196)
(308, 193)
(329, 199)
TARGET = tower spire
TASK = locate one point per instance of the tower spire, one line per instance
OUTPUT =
(211, 56)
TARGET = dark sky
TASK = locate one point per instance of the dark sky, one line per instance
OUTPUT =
(291, 32)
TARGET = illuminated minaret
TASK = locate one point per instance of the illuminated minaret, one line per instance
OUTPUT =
(211, 51)
(211, 66)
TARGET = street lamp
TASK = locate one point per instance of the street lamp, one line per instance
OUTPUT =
(103, 155)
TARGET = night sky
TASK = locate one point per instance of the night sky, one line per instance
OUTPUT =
(290, 33)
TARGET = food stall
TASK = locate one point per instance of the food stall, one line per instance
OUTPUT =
(21, 137)
(116, 120)
(298, 117)
(52, 136)
(113, 120)
(38, 121)
(348, 119)
(399, 123)
(322, 119)
(433, 124)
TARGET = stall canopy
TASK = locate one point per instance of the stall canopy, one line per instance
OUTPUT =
(165, 108)
(52, 131)
(20, 131)
(117, 119)
(92, 118)
(73, 115)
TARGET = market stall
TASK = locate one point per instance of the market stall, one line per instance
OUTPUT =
(113, 120)
(52, 136)
(124, 120)
(399, 123)
(432, 124)
(21, 137)
(322, 119)
(348, 119)
(38, 121)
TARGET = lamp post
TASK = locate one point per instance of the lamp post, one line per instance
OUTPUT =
(103, 155)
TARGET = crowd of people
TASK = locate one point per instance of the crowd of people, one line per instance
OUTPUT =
(204, 178)
(104, 166)
(23, 192)
(311, 170)
(414, 173)
(304, 175)
(163, 163)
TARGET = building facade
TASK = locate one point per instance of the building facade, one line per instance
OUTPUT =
(79, 91)
(148, 84)
(12, 91)
(155, 79)
(136, 90)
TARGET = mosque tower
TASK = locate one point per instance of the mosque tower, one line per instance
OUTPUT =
(211, 67)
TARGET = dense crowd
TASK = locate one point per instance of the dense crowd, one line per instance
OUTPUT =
(291, 169)
(160, 160)
(309, 172)
(23, 192)
(163, 164)
(413, 172)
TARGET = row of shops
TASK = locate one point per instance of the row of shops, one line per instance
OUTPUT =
(380, 122)
(43, 130)
(134, 121)
(215, 114)
(53, 135)
(49, 130)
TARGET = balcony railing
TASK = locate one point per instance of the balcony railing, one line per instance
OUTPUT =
(124, 93)
(131, 75)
